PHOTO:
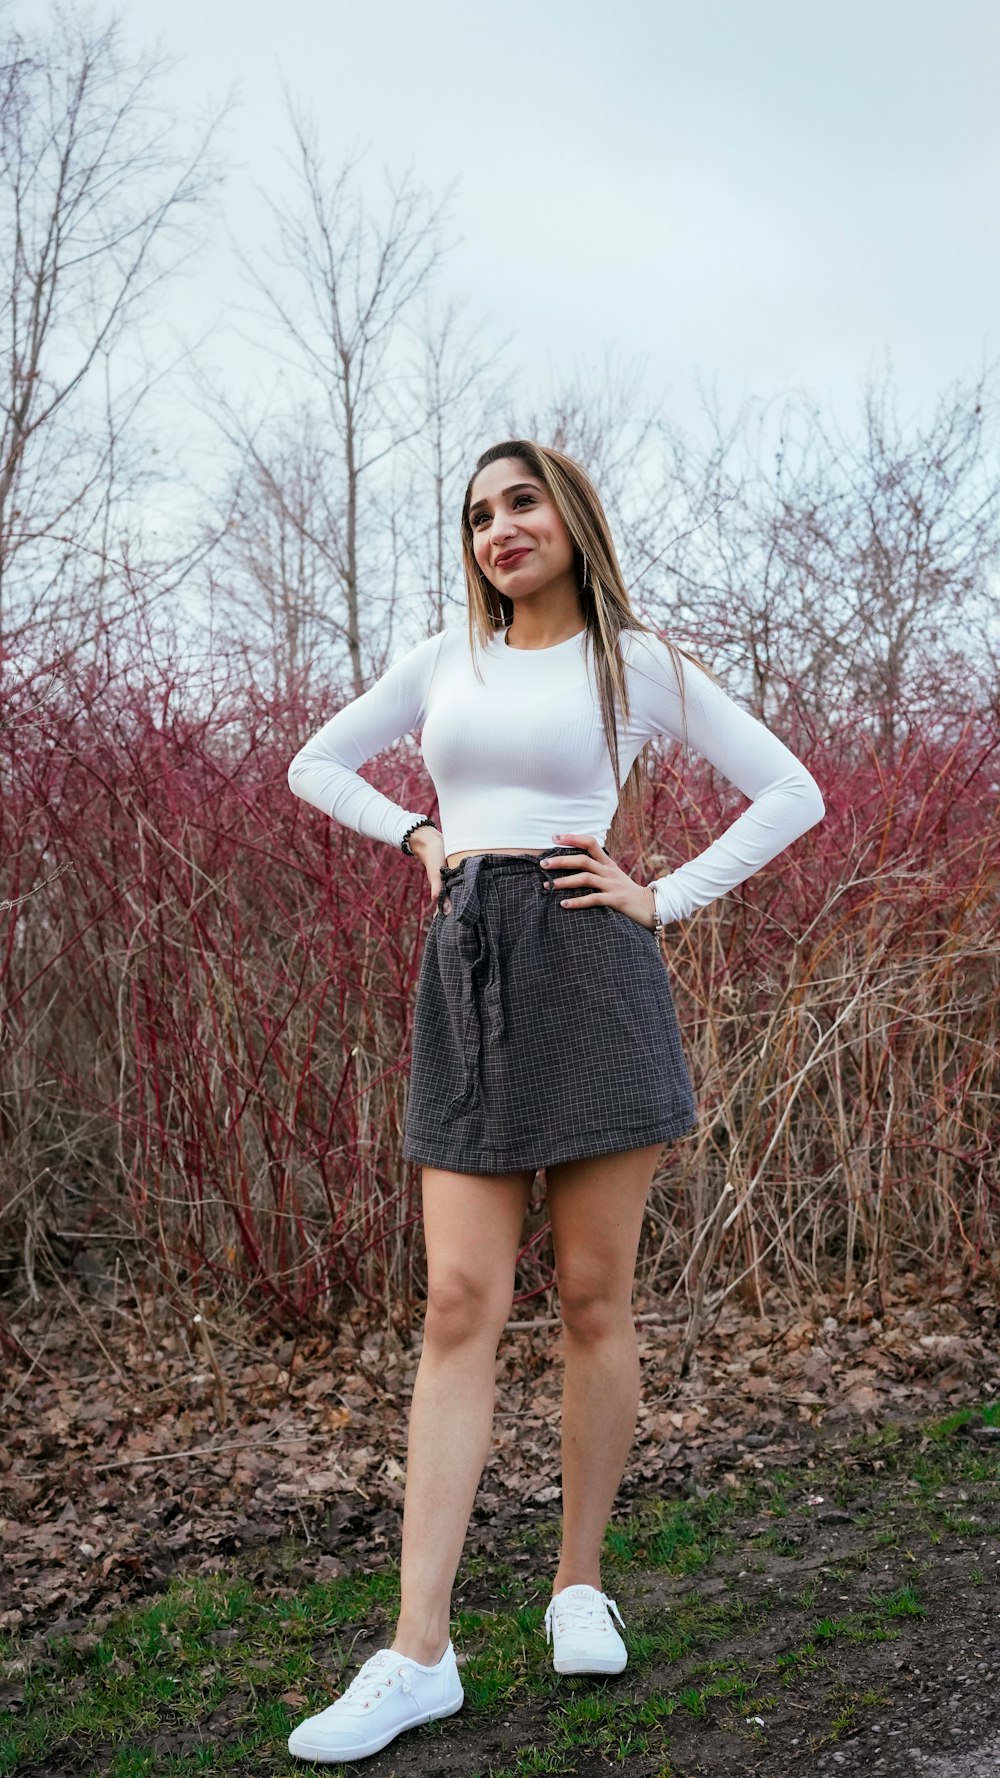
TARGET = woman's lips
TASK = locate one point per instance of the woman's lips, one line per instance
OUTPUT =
(511, 560)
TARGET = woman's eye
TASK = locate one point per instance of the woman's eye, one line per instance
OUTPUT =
(530, 498)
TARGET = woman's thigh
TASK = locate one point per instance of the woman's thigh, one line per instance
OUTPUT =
(473, 1224)
(596, 1207)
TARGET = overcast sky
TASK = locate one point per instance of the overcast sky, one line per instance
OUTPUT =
(765, 195)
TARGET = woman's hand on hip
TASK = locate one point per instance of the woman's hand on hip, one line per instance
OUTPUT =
(428, 845)
(607, 883)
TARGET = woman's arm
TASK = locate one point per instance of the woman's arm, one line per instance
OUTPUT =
(786, 799)
(324, 771)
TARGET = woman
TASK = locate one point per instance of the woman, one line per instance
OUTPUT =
(544, 1031)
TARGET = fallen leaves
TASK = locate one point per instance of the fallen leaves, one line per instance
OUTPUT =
(108, 1482)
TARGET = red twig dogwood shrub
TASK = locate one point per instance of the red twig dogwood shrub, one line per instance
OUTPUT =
(206, 990)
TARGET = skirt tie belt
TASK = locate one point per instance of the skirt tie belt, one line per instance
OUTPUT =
(475, 906)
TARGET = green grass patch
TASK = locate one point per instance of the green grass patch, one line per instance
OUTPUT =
(134, 1699)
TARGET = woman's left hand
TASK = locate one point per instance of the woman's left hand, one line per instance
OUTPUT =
(607, 882)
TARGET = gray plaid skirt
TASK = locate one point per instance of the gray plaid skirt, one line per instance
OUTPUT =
(541, 1033)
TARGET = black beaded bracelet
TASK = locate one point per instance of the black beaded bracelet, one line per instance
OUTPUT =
(425, 821)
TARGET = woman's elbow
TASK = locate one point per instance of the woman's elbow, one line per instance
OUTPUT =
(815, 807)
(295, 769)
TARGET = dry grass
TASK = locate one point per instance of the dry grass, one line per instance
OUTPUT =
(207, 991)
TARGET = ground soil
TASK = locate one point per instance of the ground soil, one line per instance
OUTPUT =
(132, 1451)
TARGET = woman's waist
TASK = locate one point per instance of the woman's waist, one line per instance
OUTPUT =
(506, 862)
(455, 858)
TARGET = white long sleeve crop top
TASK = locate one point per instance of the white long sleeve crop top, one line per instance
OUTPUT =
(521, 754)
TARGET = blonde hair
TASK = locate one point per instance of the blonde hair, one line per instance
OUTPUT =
(605, 603)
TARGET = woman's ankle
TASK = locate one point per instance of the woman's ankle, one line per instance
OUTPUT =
(577, 1576)
(426, 1651)
(424, 1636)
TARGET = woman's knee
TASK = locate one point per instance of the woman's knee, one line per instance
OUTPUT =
(590, 1310)
(463, 1305)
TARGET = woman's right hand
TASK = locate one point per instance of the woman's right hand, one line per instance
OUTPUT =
(428, 845)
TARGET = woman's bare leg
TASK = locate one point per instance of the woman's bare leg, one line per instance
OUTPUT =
(596, 1208)
(473, 1225)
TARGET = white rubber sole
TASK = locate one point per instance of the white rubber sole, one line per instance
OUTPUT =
(303, 1748)
(568, 1665)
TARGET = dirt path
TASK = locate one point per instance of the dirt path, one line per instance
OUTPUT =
(832, 1615)
(807, 1590)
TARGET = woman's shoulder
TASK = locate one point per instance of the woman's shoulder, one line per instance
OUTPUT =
(639, 641)
(421, 657)
(672, 691)
(650, 648)
(452, 636)
(650, 655)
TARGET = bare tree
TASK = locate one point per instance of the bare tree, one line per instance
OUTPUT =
(344, 279)
(97, 208)
(922, 547)
(278, 550)
(452, 395)
(846, 575)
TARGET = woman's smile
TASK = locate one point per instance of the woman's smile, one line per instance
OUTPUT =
(539, 574)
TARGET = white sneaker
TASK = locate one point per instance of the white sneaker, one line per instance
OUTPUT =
(584, 1640)
(389, 1694)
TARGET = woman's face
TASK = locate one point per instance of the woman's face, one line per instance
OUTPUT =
(510, 510)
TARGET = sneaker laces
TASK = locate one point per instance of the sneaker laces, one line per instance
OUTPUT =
(379, 1674)
(579, 1610)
